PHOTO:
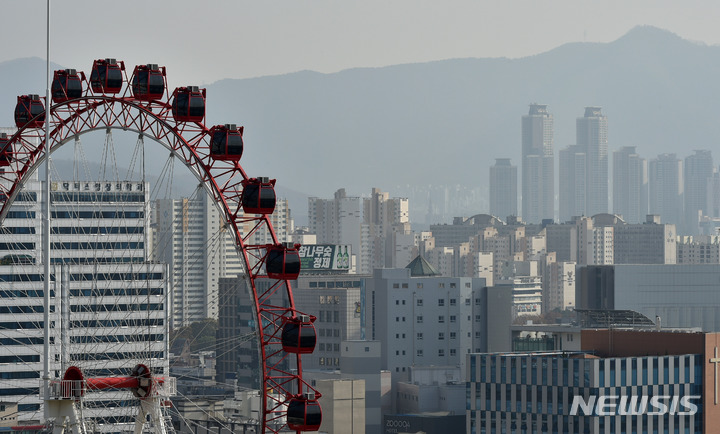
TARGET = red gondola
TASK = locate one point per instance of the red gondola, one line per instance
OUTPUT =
(66, 85)
(283, 261)
(258, 195)
(226, 142)
(107, 76)
(189, 104)
(148, 82)
(298, 335)
(27, 108)
(304, 413)
(5, 158)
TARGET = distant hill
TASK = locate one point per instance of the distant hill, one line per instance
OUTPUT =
(445, 122)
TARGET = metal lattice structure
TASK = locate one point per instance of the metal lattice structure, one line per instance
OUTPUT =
(289, 402)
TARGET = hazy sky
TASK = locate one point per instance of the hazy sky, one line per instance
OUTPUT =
(204, 41)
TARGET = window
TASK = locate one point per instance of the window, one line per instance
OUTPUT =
(419, 285)
(441, 302)
(403, 302)
(478, 302)
(419, 353)
(404, 285)
(453, 318)
(367, 349)
(441, 285)
(467, 302)
(441, 353)
(419, 302)
(478, 318)
(452, 285)
(441, 319)
(419, 336)
(396, 285)
(397, 319)
(322, 347)
(419, 319)
(441, 336)
(452, 352)
(397, 302)
(453, 302)
(453, 335)
(336, 333)
(397, 335)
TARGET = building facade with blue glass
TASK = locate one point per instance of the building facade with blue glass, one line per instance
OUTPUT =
(645, 387)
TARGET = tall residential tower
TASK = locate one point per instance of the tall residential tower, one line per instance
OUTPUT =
(592, 135)
(630, 185)
(503, 189)
(538, 167)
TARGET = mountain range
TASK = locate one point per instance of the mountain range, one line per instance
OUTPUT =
(444, 122)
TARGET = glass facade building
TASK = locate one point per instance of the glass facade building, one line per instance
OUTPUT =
(576, 392)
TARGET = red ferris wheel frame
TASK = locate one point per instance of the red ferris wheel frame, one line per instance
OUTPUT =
(222, 179)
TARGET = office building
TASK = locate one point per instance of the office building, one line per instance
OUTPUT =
(680, 295)
(503, 188)
(338, 303)
(649, 243)
(115, 314)
(538, 166)
(238, 357)
(665, 181)
(424, 320)
(630, 185)
(564, 391)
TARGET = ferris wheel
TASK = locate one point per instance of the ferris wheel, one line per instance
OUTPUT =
(118, 287)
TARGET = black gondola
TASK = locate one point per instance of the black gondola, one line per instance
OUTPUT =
(258, 196)
(5, 159)
(226, 142)
(66, 85)
(189, 104)
(283, 261)
(107, 76)
(148, 82)
(298, 335)
(304, 413)
(29, 106)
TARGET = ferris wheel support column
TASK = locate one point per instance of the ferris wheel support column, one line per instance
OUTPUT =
(46, 232)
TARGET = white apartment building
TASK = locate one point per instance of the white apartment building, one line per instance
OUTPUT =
(704, 249)
(368, 224)
(192, 238)
(424, 320)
